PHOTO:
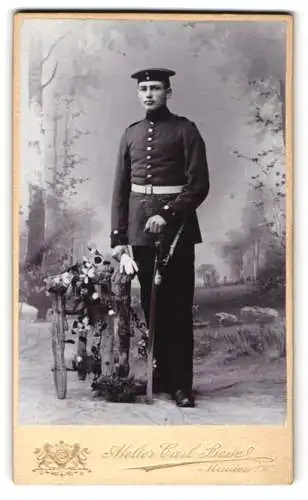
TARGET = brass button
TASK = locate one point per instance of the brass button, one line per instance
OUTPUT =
(149, 138)
(150, 130)
(149, 148)
(149, 176)
(149, 157)
(148, 166)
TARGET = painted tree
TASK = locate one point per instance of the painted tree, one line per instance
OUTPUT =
(40, 79)
(261, 62)
(66, 133)
(259, 59)
(208, 274)
(69, 222)
(202, 273)
(264, 213)
(232, 250)
(38, 82)
(65, 180)
(43, 73)
(36, 217)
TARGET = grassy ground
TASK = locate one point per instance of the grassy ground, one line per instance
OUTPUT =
(244, 340)
(239, 375)
(244, 389)
(236, 360)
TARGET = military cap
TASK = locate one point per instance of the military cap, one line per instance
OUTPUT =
(155, 74)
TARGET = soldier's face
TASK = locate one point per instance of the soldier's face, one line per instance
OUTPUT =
(153, 94)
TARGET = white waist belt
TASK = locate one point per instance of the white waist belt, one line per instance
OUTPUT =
(150, 189)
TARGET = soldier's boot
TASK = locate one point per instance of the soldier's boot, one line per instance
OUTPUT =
(184, 399)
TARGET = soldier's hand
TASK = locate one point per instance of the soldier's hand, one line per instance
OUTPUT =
(155, 224)
(118, 251)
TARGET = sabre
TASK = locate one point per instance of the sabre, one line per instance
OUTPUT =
(156, 280)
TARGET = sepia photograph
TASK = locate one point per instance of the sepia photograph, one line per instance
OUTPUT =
(152, 221)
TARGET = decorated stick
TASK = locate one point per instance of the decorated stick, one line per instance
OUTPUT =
(155, 283)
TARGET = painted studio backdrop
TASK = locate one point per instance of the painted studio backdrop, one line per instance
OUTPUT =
(77, 98)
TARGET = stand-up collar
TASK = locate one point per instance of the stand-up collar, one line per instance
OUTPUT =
(161, 113)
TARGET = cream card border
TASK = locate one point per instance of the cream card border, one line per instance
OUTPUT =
(138, 454)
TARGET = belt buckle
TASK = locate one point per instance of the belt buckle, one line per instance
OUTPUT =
(148, 189)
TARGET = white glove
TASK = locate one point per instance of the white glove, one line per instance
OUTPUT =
(128, 265)
(118, 251)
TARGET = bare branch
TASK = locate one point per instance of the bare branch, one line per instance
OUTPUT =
(53, 46)
(53, 74)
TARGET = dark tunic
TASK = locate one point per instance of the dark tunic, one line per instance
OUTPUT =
(163, 150)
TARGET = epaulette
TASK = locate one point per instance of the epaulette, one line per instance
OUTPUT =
(184, 118)
(134, 123)
(187, 120)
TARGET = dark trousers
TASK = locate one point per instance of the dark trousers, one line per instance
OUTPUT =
(173, 345)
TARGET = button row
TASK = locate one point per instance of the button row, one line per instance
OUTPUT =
(149, 148)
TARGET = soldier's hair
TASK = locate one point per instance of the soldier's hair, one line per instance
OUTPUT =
(167, 84)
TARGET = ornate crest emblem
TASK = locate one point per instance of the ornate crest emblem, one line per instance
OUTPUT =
(61, 459)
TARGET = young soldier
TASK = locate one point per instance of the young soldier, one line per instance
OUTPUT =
(161, 178)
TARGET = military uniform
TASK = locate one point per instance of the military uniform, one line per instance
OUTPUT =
(162, 169)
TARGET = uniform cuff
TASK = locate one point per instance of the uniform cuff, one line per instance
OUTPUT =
(118, 238)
